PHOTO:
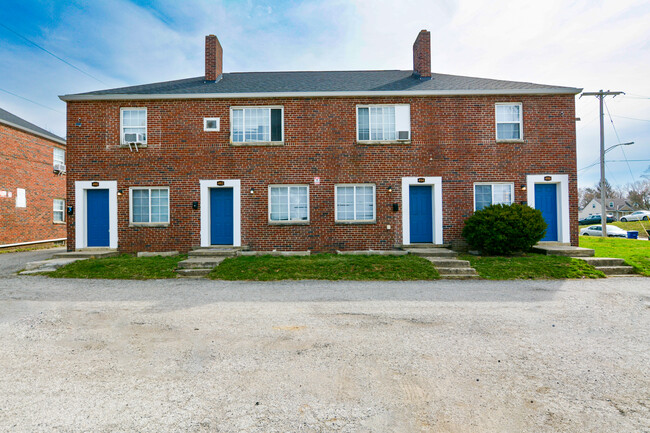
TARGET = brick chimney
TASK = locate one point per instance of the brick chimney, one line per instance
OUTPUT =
(213, 58)
(422, 55)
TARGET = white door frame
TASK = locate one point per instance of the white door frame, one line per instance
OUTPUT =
(436, 183)
(205, 186)
(81, 229)
(563, 217)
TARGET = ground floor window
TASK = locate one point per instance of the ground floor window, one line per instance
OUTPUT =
(289, 203)
(355, 202)
(149, 205)
(486, 194)
(58, 210)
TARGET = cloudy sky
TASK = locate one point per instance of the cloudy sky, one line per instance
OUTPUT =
(590, 44)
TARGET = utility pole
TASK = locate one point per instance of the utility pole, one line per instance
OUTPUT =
(603, 194)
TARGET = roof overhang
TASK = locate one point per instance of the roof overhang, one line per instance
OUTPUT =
(416, 93)
(31, 131)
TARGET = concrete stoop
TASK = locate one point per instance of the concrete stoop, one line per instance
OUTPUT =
(610, 267)
(201, 261)
(446, 262)
(563, 250)
(61, 259)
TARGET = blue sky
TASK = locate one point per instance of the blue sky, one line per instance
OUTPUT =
(585, 43)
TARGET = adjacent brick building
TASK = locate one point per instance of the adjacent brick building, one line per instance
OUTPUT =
(32, 183)
(318, 161)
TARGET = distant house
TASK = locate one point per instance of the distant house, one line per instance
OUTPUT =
(614, 206)
(315, 160)
(32, 183)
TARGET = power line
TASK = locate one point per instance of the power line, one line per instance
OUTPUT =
(633, 118)
(619, 140)
(52, 54)
(29, 100)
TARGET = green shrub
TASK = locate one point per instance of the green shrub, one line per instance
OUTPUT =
(504, 229)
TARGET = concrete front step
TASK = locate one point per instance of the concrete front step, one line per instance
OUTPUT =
(444, 272)
(416, 245)
(431, 252)
(460, 277)
(616, 270)
(275, 253)
(193, 272)
(448, 263)
(98, 253)
(563, 250)
(213, 252)
(201, 263)
(602, 261)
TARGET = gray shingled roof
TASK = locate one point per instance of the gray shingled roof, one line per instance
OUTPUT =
(321, 81)
(17, 122)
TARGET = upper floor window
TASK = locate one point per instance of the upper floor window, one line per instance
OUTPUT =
(509, 121)
(133, 125)
(486, 194)
(58, 157)
(150, 205)
(355, 202)
(58, 208)
(257, 125)
(288, 203)
(211, 124)
(383, 122)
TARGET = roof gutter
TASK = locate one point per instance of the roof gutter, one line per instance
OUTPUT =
(31, 131)
(139, 96)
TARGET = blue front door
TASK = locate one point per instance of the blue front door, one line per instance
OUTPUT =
(221, 216)
(97, 218)
(546, 201)
(421, 213)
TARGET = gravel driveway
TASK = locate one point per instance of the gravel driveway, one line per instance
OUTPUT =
(442, 356)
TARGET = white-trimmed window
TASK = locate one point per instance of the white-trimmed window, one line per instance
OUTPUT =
(288, 203)
(149, 205)
(58, 157)
(257, 125)
(509, 121)
(211, 124)
(355, 202)
(58, 209)
(383, 122)
(133, 125)
(486, 194)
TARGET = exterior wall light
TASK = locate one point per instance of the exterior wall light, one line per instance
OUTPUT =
(252, 190)
(523, 187)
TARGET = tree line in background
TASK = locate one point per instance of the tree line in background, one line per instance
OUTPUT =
(637, 194)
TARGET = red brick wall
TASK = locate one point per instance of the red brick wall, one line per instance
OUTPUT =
(452, 137)
(26, 162)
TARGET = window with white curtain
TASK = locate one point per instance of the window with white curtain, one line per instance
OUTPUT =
(288, 203)
(355, 202)
(495, 193)
(133, 125)
(383, 122)
(257, 124)
(509, 121)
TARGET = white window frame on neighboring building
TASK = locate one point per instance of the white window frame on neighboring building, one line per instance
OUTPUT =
(401, 121)
(58, 207)
(58, 156)
(149, 222)
(354, 203)
(519, 122)
(492, 184)
(123, 127)
(248, 109)
(207, 120)
(289, 220)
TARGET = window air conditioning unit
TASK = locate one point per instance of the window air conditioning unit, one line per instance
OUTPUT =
(59, 168)
(132, 137)
(403, 135)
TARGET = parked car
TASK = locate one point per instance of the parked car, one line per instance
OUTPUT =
(637, 216)
(612, 231)
(593, 219)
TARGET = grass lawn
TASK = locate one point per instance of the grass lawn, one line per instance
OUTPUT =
(636, 253)
(325, 267)
(531, 267)
(124, 267)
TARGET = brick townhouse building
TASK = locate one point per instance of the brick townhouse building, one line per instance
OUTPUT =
(32, 183)
(319, 160)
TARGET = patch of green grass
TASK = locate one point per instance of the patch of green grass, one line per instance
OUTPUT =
(636, 253)
(640, 226)
(531, 267)
(325, 267)
(124, 267)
